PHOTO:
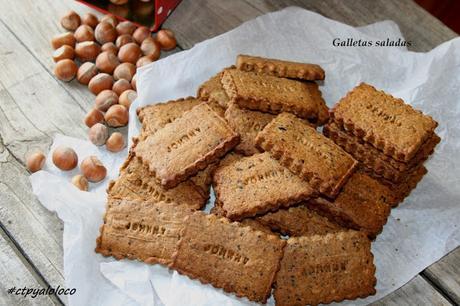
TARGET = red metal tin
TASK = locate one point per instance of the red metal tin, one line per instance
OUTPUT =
(151, 14)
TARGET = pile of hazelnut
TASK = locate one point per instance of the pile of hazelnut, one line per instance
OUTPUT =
(102, 54)
(66, 159)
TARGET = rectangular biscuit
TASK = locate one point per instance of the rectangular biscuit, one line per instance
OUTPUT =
(187, 145)
(247, 124)
(156, 116)
(142, 230)
(323, 269)
(363, 204)
(309, 154)
(280, 68)
(298, 221)
(228, 255)
(382, 164)
(257, 184)
(136, 183)
(386, 122)
(212, 90)
(269, 94)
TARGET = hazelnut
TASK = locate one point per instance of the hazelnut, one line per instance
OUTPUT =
(94, 116)
(116, 142)
(36, 161)
(63, 39)
(111, 19)
(90, 20)
(93, 169)
(125, 27)
(127, 97)
(84, 33)
(129, 53)
(123, 40)
(145, 60)
(109, 47)
(117, 116)
(86, 72)
(107, 62)
(65, 70)
(119, 2)
(140, 34)
(70, 21)
(166, 39)
(124, 71)
(134, 82)
(98, 134)
(105, 99)
(151, 48)
(87, 51)
(105, 32)
(100, 82)
(80, 182)
(65, 158)
(120, 86)
(64, 52)
(122, 11)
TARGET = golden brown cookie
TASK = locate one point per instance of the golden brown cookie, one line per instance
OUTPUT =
(230, 256)
(321, 269)
(280, 68)
(154, 117)
(187, 145)
(298, 221)
(136, 182)
(363, 204)
(390, 125)
(270, 94)
(143, 230)
(309, 154)
(257, 184)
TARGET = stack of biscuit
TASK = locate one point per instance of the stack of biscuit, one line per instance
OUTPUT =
(295, 211)
(389, 138)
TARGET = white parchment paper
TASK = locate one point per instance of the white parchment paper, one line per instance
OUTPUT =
(419, 232)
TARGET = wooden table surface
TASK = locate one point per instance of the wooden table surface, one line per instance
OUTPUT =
(34, 106)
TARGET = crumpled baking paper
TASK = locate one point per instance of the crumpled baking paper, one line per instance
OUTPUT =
(419, 232)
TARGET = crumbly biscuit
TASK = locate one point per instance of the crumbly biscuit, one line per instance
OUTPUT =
(143, 230)
(321, 269)
(311, 155)
(363, 204)
(135, 182)
(383, 165)
(270, 94)
(228, 255)
(257, 184)
(187, 145)
(280, 68)
(155, 116)
(298, 221)
(248, 124)
(390, 125)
